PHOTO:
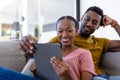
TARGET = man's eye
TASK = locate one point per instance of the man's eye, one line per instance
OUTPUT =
(87, 19)
(95, 23)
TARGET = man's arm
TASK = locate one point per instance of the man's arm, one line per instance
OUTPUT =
(26, 44)
(114, 44)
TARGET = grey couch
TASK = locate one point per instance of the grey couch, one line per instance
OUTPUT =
(11, 56)
(111, 63)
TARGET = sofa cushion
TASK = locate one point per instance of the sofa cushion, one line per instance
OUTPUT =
(111, 63)
(11, 56)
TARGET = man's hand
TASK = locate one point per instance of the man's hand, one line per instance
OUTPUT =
(26, 43)
(109, 21)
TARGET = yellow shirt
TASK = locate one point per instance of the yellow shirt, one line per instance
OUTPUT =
(97, 46)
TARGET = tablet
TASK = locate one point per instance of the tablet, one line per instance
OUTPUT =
(42, 55)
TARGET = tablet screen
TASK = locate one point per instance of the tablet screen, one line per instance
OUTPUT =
(43, 53)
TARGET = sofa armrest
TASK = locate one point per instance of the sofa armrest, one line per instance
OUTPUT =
(11, 56)
(111, 63)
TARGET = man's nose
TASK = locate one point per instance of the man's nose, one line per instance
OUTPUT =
(89, 23)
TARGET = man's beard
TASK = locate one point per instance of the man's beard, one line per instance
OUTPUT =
(83, 33)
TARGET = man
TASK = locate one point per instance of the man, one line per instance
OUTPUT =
(90, 21)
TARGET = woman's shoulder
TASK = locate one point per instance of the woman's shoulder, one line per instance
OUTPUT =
(82, 50)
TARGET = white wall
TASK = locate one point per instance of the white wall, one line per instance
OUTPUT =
(110, 8)
(44, 12)
(46, 36)
(51, 10)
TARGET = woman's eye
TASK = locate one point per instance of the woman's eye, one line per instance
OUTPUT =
(69, 30)
(60, 31)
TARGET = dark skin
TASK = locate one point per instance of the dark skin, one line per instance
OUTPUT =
(65, 32)
(91, 21)
(89, 24)
(114, 44)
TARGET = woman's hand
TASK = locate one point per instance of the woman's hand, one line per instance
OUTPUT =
(33, 69)
(61, 68)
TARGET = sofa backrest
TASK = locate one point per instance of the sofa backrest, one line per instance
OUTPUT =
(11, 56)
(111, 63)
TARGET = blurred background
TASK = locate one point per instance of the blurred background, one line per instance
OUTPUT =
(38, 17)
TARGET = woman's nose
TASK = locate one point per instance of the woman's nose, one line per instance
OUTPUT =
(64, 33)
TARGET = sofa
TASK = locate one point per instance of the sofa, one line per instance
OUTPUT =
(11, 56)
(111, 63)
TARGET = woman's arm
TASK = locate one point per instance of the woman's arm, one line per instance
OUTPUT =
(33, 69)
(87, 66)
(86, 75)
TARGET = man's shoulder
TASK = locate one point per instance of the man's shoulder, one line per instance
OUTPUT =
(93, 37)
(54, 40)
(98, 38)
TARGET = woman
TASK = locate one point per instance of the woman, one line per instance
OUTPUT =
(77, 63)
